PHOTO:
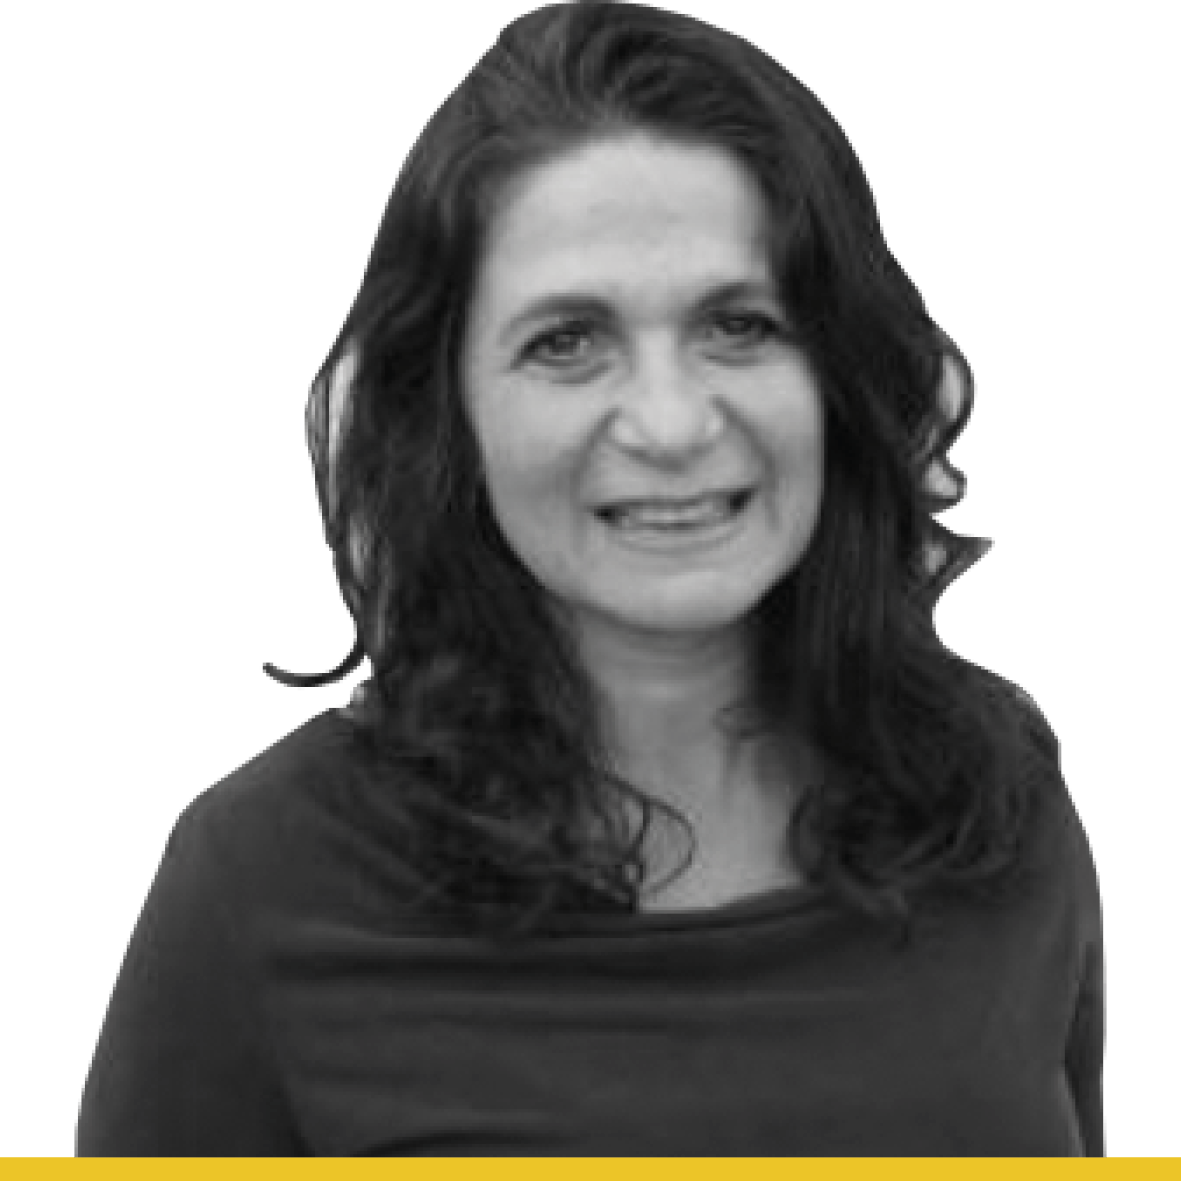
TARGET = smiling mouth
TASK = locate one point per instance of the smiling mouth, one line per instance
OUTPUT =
(678, 514)
(715, 515)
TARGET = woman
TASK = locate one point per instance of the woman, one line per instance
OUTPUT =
(666, 824)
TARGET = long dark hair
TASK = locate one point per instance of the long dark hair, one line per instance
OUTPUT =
(479, 725)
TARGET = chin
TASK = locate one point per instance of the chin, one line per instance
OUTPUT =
(685, 613)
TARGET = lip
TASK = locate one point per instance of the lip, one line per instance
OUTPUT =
(675, 501)
(705, 537)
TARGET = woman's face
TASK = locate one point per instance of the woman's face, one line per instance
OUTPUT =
(624, 344)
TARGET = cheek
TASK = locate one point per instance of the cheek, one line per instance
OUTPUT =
(530, 485)
(529, 450)
(504, 445)
(793, 433)
(522, 475)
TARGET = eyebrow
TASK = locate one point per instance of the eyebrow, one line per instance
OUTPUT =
(578, 303)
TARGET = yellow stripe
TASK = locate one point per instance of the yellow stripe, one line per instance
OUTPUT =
(587, 1169)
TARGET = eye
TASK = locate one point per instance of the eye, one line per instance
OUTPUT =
(750, 328)
(561, 345)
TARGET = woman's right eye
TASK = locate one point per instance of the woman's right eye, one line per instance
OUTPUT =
(560, 345)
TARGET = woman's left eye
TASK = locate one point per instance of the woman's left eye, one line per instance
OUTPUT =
(746, 327)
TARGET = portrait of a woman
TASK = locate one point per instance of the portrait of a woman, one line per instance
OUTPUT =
(665, 825)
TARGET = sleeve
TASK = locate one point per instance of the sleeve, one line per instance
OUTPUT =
(182, 1066)
(1084, 1054)
(1085, 1042)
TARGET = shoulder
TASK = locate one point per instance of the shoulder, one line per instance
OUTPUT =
(1064, 893)
(286, 830)
(1079, 870)
(280, 777)
(257, 802)
(1067, 854)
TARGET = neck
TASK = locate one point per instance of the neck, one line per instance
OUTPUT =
(663, 705)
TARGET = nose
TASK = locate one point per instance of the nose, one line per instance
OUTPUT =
(666, 412)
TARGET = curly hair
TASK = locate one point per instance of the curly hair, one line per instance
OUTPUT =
(479, 726)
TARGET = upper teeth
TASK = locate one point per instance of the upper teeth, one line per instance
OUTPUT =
(664, 513)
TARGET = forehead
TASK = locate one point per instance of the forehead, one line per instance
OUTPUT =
(634, 210)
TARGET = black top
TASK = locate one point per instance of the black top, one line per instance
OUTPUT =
(275, 1000)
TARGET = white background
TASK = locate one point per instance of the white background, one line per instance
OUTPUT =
(191, 192)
